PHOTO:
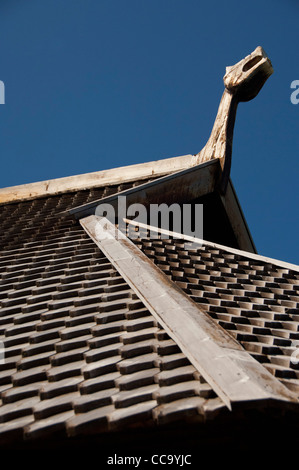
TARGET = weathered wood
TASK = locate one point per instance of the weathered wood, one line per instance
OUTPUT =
(183, 186)
(247, 254)
(226, 366)
(242, 82)
(96, 179)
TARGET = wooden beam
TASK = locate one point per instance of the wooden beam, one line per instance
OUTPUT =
(199, 242)
(96, 179)
(226, 366)
(182, 186)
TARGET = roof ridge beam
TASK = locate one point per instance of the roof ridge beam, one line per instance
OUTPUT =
(232, 372)
(96, 179)
(199, 241)
(181, 186)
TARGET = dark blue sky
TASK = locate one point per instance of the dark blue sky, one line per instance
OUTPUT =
(97, 84)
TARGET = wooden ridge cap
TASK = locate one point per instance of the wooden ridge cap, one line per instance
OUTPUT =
(97, 179)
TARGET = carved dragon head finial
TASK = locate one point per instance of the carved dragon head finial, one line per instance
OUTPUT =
(246, 78)
(242, 81)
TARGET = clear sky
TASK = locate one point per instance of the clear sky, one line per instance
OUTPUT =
(97, 84)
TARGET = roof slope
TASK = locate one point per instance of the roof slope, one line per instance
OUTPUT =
(82, 353)
(100, 334)
(254, 299)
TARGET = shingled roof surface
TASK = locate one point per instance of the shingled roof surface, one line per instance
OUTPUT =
(256, 301)
(82, 353)
(112, 340)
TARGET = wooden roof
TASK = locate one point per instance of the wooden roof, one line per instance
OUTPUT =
(106, 335)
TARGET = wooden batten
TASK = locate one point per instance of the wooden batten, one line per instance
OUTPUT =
(231, 371)
(179, 187)
(96, 179)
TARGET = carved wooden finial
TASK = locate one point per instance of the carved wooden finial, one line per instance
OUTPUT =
(242, 82)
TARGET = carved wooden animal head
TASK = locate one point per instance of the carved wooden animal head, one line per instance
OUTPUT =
(243, 82)
(246, 78)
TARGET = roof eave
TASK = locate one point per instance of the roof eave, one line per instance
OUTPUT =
(180, 187)
(124, 174)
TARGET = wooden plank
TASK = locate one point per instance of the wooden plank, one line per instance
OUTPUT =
(226, 366)
(96, 179)
(182, 186)
(199, 242)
